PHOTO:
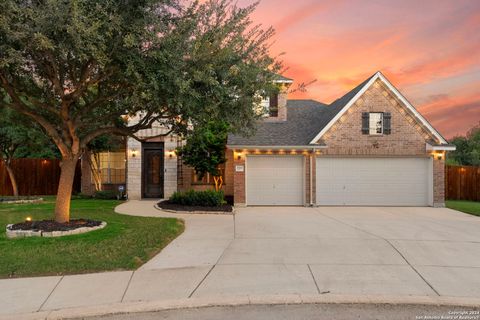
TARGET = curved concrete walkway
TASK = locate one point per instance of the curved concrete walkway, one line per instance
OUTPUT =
(277, 255)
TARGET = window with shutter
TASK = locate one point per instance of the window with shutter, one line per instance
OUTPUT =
(387, 123)
(376, 123)
(365, 122)
(273, 105)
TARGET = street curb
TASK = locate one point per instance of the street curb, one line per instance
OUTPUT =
(162, 305)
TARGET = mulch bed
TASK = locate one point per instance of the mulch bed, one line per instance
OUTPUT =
(51, 225)
(167, 205)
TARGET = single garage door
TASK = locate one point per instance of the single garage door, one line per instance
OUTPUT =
(274, 180)
(374, 181)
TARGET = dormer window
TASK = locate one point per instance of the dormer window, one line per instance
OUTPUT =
(273, 105)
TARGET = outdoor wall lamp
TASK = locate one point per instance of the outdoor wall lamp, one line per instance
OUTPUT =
(438, 155)
(134, 153)
(170, 153)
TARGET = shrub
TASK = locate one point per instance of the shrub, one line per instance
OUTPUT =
(207, 198)
(105, 195)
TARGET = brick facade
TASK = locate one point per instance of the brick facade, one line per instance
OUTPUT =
(439, 182)
(345, 138)
(408, 138)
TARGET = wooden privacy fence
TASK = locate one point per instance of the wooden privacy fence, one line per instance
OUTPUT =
(462, 183)
(35, 177)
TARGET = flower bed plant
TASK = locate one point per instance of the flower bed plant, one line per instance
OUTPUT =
(208, 200)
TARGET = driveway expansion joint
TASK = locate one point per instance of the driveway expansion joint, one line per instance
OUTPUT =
(313, 277)
(50, 294)
(396, 250)
(128, 286)
(201, 281)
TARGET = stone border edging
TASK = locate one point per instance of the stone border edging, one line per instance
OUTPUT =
(49, 234)
(295, 299)
(196, 212)
(22, 201)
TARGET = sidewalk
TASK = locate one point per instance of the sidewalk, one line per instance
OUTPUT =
(172, 274)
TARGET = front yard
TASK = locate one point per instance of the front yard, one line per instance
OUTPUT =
(126, 243)
(470, 207)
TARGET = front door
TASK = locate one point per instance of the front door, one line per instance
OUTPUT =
(153, 170)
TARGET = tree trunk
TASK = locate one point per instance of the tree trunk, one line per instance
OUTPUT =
(65, 186)
(13, 180)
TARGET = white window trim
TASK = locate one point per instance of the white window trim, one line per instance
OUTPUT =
(380, 76)
(372, 130)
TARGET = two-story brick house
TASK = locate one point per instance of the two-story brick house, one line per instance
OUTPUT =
(369, 147)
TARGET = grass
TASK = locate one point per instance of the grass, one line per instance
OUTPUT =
(124, 244)
(470, 207)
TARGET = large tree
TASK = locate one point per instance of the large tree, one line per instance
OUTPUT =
(78, 67)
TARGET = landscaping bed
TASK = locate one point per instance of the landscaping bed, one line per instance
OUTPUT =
(207, 201)
(125, 243)
(52, 225)
(168, 205)
(51, 228)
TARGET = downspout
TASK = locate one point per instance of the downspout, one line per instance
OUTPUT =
(311, 178)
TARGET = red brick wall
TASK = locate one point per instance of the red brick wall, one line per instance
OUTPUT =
(346, 138)
(239, 179)
(439, 182)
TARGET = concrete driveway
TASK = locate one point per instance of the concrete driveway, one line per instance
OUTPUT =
(281, 252)
(330, 250)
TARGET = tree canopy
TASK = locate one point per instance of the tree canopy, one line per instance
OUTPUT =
(78, 67)
(468, 148)
(205, 149)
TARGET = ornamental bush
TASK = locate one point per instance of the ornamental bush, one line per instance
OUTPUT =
(207, 198)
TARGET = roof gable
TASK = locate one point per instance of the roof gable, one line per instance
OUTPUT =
(341, 105)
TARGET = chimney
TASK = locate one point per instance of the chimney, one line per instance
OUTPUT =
(278, 102)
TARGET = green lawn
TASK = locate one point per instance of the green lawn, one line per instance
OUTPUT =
(470, 207)
(124, 244)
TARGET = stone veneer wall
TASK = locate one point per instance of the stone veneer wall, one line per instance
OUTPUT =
(134, 164)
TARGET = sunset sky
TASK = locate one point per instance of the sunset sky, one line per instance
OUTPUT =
(429, 49)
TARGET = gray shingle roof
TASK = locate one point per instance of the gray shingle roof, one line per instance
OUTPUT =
(305, 119)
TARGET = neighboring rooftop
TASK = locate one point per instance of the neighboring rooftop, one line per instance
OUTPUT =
(280, 78)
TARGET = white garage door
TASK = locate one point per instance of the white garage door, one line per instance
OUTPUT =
(274, 180)
(374, 181)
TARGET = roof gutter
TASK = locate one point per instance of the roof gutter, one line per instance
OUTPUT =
(247, 147)
(441, 147)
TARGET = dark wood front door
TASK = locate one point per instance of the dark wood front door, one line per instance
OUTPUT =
(153, 170)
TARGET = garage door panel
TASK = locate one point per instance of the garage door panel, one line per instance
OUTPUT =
(274, 180)
(373, 181)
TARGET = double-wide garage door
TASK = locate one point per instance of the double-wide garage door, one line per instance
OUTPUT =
(374, 181)
(280, 180)
(274, 180)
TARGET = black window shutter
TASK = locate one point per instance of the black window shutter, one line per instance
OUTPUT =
(387, 123)
(273, 105)
(365, 123)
